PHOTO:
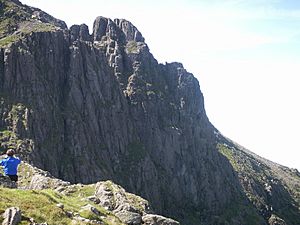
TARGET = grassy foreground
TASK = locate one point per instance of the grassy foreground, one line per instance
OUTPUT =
(41, 205)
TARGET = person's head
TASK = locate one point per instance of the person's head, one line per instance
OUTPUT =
(10, 152)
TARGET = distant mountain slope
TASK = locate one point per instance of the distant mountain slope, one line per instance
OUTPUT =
(272, 188)
(90, 107)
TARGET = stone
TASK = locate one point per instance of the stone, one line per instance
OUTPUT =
(84, 33)
(130, 31)
(116, 199)
(276, 220)
(80, 32)
(151, 219)
(74, 32)
(94, 199)
(60, 205)
(92, 209)
(129, 217)
(12, 216)
(100, 28)
(40, 181)
(69, 214)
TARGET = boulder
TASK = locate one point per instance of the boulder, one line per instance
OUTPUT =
(12, 216)
(151, 219)
(276, 220)
(113, 197)
(40, 181)
(129, 217)
(91, 209)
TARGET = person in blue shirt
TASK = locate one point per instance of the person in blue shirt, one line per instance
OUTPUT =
(10, 165)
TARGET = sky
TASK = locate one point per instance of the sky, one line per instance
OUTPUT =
(245, 54)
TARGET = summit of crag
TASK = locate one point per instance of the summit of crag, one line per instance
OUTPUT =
(98, 106)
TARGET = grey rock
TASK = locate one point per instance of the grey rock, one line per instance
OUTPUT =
(46, 18)
(92, 209)
(39, 182)
(151, 219)
(276, 220)
(84, 33)
(116, 199)
(94, 199)
(60, 205)
(128, 217)
(12, 216)
(100, 28)
(80, 32)
(130, 31)
(74, 32)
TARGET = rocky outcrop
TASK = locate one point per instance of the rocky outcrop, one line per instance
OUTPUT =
(158, 220)
(96, 107)
(12, 216)
(108, 200)
(129, 208)
(275, 220)
(80, 32)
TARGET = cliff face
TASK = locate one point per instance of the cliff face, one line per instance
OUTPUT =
(93, 107)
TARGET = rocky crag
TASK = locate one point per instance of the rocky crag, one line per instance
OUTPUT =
(53, 201)
(90, 107)
(42, 199)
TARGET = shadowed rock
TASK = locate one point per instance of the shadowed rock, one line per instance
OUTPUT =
(12, 216)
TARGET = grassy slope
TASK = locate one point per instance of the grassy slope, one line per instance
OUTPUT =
(16, 21)
(271, 188)
(42, 205)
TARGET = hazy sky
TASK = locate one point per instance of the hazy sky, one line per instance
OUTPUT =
(245, 53)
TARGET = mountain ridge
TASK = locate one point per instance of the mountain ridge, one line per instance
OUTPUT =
(90, 107)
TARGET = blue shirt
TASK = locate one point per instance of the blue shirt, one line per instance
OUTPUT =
(10, 165)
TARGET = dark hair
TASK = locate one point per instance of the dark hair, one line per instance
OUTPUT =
(10, 152)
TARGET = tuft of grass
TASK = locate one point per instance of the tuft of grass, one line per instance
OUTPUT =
(132, 47)
(228, 153)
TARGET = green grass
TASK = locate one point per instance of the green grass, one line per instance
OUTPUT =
(38, 27)
(42, 205)
(33, 204)
(29, 29)
(132, 47)
(228, 153)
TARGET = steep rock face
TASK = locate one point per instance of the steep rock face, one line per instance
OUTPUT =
(93, 107)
